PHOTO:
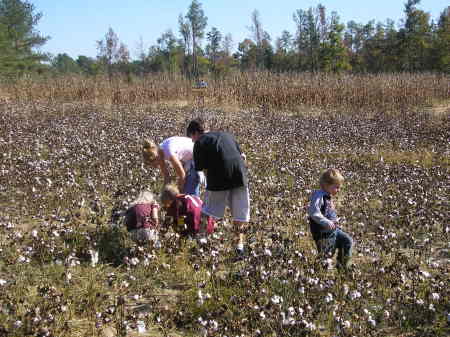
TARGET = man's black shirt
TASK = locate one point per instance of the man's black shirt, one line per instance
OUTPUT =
(219, 154)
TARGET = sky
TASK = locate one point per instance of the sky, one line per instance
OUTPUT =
(75, 26)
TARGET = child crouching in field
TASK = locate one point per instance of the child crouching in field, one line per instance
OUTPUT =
(186, 212)
(141, 218)
(324, 221)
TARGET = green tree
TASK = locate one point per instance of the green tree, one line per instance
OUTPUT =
(246, 54)
(214, 38)
(284, 42)
(169, 51)
(441, 44)
(333, 53)
(197, 24)
(112, 53)
(185, 31)
(284, 58)
(308, 37)
(261, 38)
(19, 37)
(414, 38)
(64, 64)
(88, 65)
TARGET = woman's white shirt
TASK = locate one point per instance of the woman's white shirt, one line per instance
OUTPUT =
(180, 147)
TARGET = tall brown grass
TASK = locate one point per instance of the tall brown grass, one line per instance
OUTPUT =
(329, 92)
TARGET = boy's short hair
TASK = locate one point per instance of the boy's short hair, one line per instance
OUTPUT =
(169, 193)
(196, 125)
(330, 177)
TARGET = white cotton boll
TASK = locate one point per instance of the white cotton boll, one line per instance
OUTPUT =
(355, 294)
(371, 321)
(276, 299)
(329, 298)
(203, 331)
(141, 327)
(386, 314)
(311, 326)
(346, 289)
(262, 315)
(267, 252)
(434, 264)
(34, 233)
(134, 261)
(214, 325)
(425, 273)
(420, 302)
(435, 296)
(17, 324)
(200, 298)
(94, 257)
(346, 325)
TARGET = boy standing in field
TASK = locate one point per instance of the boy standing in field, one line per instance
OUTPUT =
(324, 221)
(219, 155)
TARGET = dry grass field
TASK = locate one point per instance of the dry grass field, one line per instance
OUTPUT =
(70, 155)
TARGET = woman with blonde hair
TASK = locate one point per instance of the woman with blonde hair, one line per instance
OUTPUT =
(178, 151)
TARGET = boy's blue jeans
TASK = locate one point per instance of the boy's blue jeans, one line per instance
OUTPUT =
(339, 240)
(192, 182)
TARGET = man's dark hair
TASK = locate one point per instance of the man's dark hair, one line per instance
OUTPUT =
(196, 125)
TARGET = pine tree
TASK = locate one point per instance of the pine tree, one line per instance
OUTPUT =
(19, 37)
(197, 24)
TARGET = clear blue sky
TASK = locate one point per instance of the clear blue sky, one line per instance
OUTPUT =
(75, 25)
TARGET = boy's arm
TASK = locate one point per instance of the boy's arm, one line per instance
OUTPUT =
(316, 215)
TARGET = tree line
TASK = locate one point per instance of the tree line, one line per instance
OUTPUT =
(321, 43)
